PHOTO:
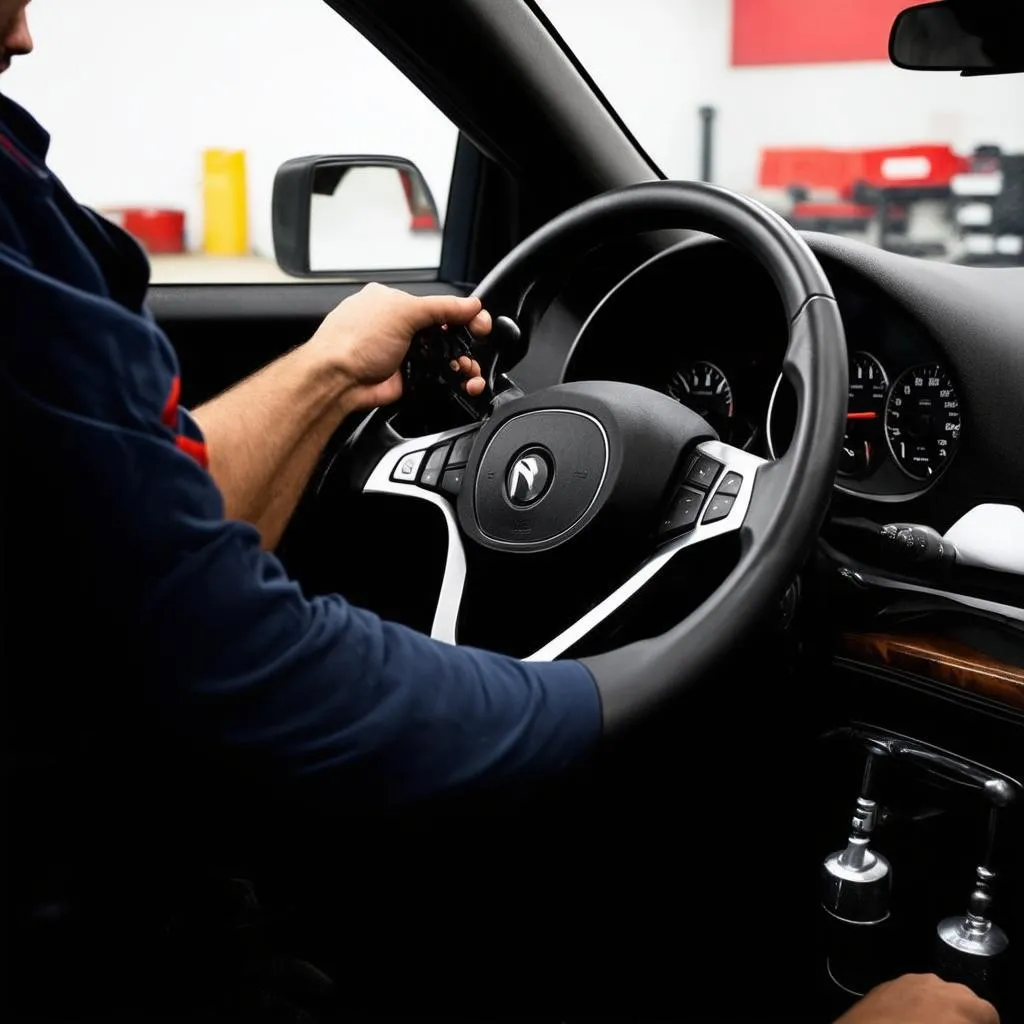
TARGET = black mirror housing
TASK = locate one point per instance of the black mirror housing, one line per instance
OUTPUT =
(298, 180)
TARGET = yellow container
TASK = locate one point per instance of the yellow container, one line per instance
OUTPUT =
(225, 205)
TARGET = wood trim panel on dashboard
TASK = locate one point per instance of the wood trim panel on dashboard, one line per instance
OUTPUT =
(941, 661)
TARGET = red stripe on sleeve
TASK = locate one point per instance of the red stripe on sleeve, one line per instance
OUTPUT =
(197, 449)
(169, 417)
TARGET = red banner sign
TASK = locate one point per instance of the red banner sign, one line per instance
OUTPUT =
(811, 31)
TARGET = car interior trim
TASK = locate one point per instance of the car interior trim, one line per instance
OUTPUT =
(941, 660)
(981, 604)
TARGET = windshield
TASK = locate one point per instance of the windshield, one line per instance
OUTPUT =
(795, 102)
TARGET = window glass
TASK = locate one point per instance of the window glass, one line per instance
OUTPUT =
(173, 118)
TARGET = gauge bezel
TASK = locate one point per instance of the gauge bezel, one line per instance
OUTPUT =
(943, 371)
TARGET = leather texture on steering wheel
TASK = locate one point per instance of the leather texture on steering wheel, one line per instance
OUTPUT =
(791, 495)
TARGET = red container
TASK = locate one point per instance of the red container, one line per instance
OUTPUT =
(158, 231)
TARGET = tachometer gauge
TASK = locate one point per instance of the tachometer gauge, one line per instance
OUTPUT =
(922, 421)
(706, 390)
(864, 415)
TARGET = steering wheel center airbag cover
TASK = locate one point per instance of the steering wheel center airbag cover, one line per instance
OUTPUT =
(548, 464)
(565, 447)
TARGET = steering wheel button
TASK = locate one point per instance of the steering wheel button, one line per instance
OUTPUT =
(719, 507)
(684, 510)
(461, 447)
(702, 471)
(731, 484)
(407, 468)
(451, 482)
(435, 461)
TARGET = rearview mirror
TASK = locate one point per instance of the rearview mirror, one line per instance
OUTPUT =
(974, 37)
(354, 216)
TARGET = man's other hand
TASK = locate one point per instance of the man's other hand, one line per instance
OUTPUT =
(367, 336)
(920, 999)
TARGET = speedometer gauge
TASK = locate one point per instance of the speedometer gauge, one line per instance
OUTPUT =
(705, 389)
(922, 421)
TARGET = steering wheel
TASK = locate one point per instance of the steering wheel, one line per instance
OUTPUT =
(604, 455)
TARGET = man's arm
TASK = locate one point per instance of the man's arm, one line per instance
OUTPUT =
(265, 435)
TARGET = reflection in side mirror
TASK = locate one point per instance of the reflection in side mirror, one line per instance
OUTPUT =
(371, 218)
(354, 216)
(979, 37)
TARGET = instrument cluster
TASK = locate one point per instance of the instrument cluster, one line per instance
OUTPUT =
(903, 425)
(904, 415)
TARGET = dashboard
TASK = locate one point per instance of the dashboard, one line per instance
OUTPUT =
(905, 417)
(934, 426)
(934, 443)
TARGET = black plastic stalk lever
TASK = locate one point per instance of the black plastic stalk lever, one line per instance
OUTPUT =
(912, 542)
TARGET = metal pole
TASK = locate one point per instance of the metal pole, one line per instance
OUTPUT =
(707, 126)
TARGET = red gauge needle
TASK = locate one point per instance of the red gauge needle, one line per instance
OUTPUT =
(862, 415)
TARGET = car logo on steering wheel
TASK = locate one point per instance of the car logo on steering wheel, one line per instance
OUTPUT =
(528, 477)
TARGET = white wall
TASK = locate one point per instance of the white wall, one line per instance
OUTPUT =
(133, 90)
(659, 60)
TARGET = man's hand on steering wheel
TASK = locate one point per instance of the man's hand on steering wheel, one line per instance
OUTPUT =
(368, 335)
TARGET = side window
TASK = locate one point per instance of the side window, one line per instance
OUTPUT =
(181, 114)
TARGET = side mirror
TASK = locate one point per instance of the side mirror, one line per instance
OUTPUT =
(354, 216)
(974, 37)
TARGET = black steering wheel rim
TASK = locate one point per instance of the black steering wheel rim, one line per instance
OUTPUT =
(786, 500)
(655, 206)
(635, 678)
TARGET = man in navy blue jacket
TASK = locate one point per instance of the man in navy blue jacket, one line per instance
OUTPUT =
(151, 528)
(160, 668)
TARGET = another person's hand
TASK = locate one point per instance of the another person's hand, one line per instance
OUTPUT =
(920, 999)
(368, 335)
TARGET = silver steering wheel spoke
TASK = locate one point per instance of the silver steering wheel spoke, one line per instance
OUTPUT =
(404, 471)
(701, 511)
(716, 507)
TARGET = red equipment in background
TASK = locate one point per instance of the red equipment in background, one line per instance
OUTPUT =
(157, 231)
(844, 190)
(849, 173)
